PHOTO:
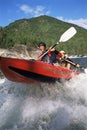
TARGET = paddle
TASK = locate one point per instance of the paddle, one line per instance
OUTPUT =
(71, 62)
(75, 65)
(65, 37)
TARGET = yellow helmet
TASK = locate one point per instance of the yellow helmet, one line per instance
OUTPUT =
(63, 52)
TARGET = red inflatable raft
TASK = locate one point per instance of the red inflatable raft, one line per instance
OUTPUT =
(31, 71)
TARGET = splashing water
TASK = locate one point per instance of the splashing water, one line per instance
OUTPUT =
(44, 107)
(59, 106)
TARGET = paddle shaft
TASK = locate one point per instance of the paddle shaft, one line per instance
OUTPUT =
(72, 63)
(69, 61)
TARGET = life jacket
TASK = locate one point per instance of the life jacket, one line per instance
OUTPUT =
(45, 58)
(51, 57)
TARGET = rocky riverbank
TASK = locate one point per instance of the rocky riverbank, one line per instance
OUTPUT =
(20, 52)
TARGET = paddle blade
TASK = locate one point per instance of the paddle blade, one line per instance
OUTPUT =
(85, 71)
(68, 34)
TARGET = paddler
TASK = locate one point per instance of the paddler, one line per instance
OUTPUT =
(65, 61)
(53, 56)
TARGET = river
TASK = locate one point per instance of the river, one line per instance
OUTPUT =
(59, 106)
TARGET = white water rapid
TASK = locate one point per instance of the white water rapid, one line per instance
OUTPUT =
(44, 107)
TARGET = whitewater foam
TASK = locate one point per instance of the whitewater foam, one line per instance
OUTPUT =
(42, 107)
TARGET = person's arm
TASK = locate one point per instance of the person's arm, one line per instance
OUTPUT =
(59, 55)
(72, 62)
(51, 49)
(40, 56)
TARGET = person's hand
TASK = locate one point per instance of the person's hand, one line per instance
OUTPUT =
(77, 65)
(52, 49)
(65, 56)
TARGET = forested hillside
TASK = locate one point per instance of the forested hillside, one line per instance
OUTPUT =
(43, 28)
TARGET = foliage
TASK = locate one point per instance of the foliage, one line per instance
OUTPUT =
(43, 28)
